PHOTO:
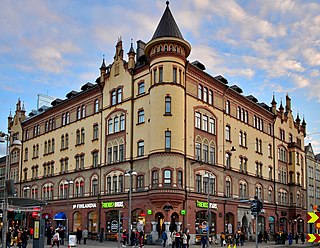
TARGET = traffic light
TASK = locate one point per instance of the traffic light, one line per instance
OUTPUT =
(254, 206)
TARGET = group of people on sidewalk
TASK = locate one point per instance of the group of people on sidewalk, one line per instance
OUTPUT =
(179, 239)
(18, 236)
(136, 238)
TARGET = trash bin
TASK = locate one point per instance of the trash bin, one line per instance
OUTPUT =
(149, 239)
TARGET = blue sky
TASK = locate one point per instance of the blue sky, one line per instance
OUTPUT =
(265, 47)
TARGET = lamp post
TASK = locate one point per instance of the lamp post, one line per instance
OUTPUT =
(68, 183)
(129, 174)
(6, 138)
(209, 176)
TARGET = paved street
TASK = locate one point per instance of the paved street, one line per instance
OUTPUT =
(111, 244)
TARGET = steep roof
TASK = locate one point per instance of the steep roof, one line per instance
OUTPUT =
(167, 26)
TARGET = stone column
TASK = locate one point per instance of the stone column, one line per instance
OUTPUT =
(179, 224)
(154, 233)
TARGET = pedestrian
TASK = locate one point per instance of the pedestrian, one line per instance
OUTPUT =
(141, 240)
(184, 240)
(223, 239)
(124, 237)
(56, 239)
(61, 232)
(79, 235)
(49, 235)
(296, 237)
(173, 238)
(19, 238)
(8, 238)
(24, 238)
(177, 239)
(265, 236)
(302, 238)
(132, 238)
(85, 235)
(31, 232)
(290, 238)
(188, 238)
(164, 237)
(204, 241)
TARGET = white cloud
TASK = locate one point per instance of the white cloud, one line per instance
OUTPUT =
(312, 56)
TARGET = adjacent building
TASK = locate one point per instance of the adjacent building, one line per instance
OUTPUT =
(185, 138)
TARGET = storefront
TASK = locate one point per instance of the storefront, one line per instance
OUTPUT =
(112, 216)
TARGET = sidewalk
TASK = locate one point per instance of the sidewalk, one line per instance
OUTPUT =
(113, 244)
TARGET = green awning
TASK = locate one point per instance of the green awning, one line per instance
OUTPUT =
(18, 216)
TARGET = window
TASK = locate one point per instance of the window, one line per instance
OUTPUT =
(168, 140)
(270, 151)
(119, 95)
(205, 153)
(174, 75)
(140, 182)
(243, 189)
(96, 106)
(110, 126)
(141, 116)
(212, 155)
(109, 155)
(198, 151)
(198, 120)
(141, 89)
(228, 160)
(79, 188)
(167, 178)
(179, 179)
(155, 178)
(83, 112)
(205, 94)
(160, 74)
(200, 91)
(109, 185)
(228, 187)
(78, 137)
(95, 131)
(227, 107)
(95, 159)
(205, 123)
(78, 113)
(270, 172)
(67, 141)
(228, 133)
(155, 76)
(212, 126)
(121, 152)
(82, 135)
(94, 185)
(113, 97)
(198, 183)
(115, 153)
(122, 122)
(116, 124)
(168, 105)
(210, 99)
(140, 148)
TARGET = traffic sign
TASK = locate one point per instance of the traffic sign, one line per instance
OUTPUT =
(313, 217)
(312, 238)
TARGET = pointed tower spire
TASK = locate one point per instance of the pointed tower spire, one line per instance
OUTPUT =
(131, 54)
(298, 119)
(167, 26)
(273, 105)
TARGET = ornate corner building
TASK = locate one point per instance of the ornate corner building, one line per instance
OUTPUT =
(190, 142)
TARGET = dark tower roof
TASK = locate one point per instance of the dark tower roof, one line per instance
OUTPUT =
(167, 26)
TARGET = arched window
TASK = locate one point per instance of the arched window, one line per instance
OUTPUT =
(167, 178)
(228, 187)
(96, 106)
(94, 185)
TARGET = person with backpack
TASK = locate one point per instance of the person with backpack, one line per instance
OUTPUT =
(164, 237)
(56, 239)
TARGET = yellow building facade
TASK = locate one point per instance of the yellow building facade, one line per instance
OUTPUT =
(184, 137)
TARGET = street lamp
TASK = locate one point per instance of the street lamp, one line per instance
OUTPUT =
(6, 193)
(67, 183)
(209, 176)
(130, 173)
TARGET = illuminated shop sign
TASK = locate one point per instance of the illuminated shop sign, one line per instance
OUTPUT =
(201, 204)
(84, 205)
(113, 204)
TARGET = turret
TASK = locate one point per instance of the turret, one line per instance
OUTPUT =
(103, 70)
(274, 106)
(131, 55)
(288, 104)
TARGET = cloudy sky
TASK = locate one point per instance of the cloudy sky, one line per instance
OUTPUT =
(265, 47)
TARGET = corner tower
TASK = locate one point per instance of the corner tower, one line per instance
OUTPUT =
(167, 53)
